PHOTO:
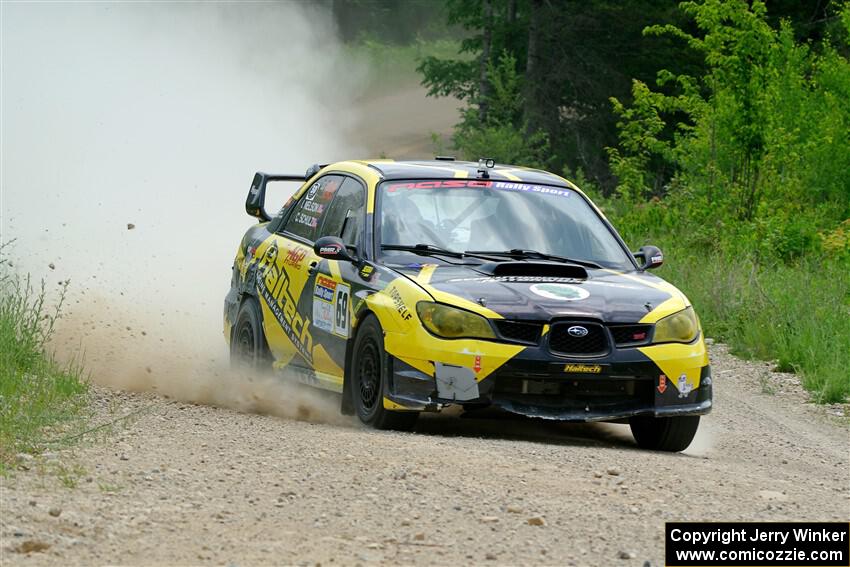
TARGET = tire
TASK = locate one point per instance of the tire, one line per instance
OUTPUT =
(248, 346)
(369, 378)
(664, 433)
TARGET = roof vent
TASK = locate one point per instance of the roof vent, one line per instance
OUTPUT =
(444, 158)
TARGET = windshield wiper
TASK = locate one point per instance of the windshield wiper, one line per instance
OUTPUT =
(423, 249)
(520, 253)
(430, 249)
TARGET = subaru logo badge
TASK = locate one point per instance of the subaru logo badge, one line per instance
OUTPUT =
(577, 331)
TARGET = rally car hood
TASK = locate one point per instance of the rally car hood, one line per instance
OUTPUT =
(605, 295)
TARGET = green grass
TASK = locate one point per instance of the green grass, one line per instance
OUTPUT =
(36, 392)
(796, 314)
(794, 310)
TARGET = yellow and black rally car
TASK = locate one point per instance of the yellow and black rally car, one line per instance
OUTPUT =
(411, 286)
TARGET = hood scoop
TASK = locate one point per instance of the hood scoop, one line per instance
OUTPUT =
(533, 269)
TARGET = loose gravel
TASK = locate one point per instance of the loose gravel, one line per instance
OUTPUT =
(184, 484)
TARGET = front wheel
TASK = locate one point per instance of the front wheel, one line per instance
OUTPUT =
(664, 433)
(368, 379)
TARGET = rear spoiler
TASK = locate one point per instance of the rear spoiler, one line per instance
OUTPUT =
(255, 203)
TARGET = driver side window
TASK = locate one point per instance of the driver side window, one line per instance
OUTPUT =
(312, 208)
(346, 214)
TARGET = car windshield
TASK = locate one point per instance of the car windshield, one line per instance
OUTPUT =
(494, 216)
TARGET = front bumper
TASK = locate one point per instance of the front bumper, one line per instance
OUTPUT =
(629, 383)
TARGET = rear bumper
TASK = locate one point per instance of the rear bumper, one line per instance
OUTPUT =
(546, 390)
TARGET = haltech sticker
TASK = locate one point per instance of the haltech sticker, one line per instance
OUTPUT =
(273, 285)
(583, 368)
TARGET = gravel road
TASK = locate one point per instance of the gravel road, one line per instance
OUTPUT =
(180, 484)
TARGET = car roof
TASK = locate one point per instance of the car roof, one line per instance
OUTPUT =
(447, 169)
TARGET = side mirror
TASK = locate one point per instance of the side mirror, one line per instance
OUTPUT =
(255, 204)
(650, 256)
(332, 248)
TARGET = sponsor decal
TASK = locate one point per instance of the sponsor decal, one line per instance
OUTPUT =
(324, 289)
(327, 185)
(400, 306)
(616, 285)
(311, 194)
(577, 331)
(450, 183)
(366, 271)
(518, 279)
(329, 250)
(254, 189)
(657, 259)
(683, 386)
(331, 301)
(323, 315)
(477, 365)
(560, 292)
(294, 257)
(323, 307)
(273, 284)
(477, 183)
(583, 368)
(662, 383)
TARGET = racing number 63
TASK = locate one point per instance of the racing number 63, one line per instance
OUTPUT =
(343, 292)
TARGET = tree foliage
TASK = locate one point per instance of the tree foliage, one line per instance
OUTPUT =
(572, 56)
(758, 147)
(502, 133)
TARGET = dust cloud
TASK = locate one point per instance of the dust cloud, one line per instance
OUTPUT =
(130, 133)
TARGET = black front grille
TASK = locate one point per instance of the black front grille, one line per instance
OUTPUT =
(578, 393)
(519, 332)
(630, 335)
(593, 343)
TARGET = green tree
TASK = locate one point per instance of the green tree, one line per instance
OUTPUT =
(757, 147)
(501, 132)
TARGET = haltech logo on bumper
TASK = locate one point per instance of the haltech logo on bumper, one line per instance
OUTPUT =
(583, 368)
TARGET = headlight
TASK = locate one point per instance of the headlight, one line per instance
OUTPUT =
(681, 327)
(453, 323)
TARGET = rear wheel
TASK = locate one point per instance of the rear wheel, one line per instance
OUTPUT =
(368, 379)
(664, 433)
(248, 346)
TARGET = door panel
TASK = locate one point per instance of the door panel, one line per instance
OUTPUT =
(281, 280)
(336, 281)
(306, 300)
(288, 271)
